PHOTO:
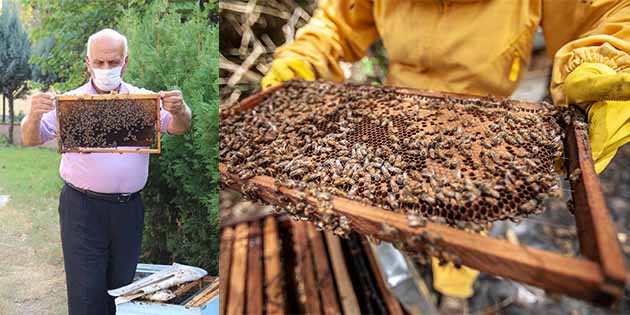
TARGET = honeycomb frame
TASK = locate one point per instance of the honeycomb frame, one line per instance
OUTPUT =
(598, 275)
(468, 162)
(144, 108)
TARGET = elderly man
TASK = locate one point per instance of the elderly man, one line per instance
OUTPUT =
(101, 213)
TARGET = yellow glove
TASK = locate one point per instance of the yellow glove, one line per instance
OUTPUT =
(284, 69)
(451, 281)
(605, 96)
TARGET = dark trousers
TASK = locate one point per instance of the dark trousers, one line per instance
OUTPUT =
(101, 246)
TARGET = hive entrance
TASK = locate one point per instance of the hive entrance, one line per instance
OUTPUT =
(450, 159)
(89, 123)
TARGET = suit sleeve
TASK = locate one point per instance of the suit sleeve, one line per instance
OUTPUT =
(338, 30)
(586, 31)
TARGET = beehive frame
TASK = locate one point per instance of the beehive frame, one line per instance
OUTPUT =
(63, 103)
(598, 277)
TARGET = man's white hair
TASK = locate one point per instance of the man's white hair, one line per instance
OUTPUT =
(109, 33)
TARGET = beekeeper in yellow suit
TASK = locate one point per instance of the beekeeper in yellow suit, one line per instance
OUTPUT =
(479, 47)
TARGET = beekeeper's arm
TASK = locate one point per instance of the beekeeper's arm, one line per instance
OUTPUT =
(339, 30)
(593, 71)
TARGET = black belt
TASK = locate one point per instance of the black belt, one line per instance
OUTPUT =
(118, 198)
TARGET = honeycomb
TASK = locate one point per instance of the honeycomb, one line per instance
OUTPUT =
(461, 161)
(107, 123)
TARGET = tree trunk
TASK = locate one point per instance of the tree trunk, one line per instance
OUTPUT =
(11, 118)
(3, 99)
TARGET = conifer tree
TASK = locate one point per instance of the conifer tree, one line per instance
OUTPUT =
(174, 46)
(15, 51)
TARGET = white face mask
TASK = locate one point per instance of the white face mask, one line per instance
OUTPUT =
(107, 79)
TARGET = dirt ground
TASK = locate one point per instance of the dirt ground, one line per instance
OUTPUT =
(32, 280)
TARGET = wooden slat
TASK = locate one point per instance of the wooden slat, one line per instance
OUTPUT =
(146, 96)
(579, 278)
(425, 304)
(249, 102)
(204, 296)
(323, 273)
(596, 231)
(393, 305)
(347, 297)
(255, 271)
(110, 150)
(306, 268)
(275, 297)
(225, 261)
(186, 287)
(238, 273)
(248, 217)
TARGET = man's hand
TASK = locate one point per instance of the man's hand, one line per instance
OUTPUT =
(605, 96)
(173, 101)
(42, 103)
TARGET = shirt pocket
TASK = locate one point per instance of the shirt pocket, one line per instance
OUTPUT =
(515, 59)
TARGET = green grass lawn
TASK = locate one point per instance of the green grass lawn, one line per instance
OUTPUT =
(31, 264)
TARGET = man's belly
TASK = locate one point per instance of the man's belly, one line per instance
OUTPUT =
(106, 172)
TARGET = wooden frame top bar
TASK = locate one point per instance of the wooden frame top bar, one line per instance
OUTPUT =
(145, 96)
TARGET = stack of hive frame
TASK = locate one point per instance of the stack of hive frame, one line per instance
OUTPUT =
(109, 123)
(274, 265)
(599, 276)
(193, 293)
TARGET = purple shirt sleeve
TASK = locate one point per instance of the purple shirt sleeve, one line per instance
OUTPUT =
(48, 126)
(165, 119)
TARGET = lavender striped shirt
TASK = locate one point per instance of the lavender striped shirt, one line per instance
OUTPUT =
(102, 172)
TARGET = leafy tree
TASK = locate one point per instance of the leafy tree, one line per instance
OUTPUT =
(70, 23)
(171, 48)
(15, 50)
(42, 51)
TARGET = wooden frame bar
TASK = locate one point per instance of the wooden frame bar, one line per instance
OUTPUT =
(325, 278)
(276, 299)
(225, 263)
(254, 271)
(598, 277)
(306, 269)
(596, 231)
(148, 96)
(347, 296)
(236, 295)
(392, 302)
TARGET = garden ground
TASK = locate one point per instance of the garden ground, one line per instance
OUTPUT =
(32, 280)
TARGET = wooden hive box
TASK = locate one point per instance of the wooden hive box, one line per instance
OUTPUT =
(114, 123)
(200, 297)
(273, 265)
(599, 275)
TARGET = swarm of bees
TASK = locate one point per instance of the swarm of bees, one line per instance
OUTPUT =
(460, 161)
(106, 123)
